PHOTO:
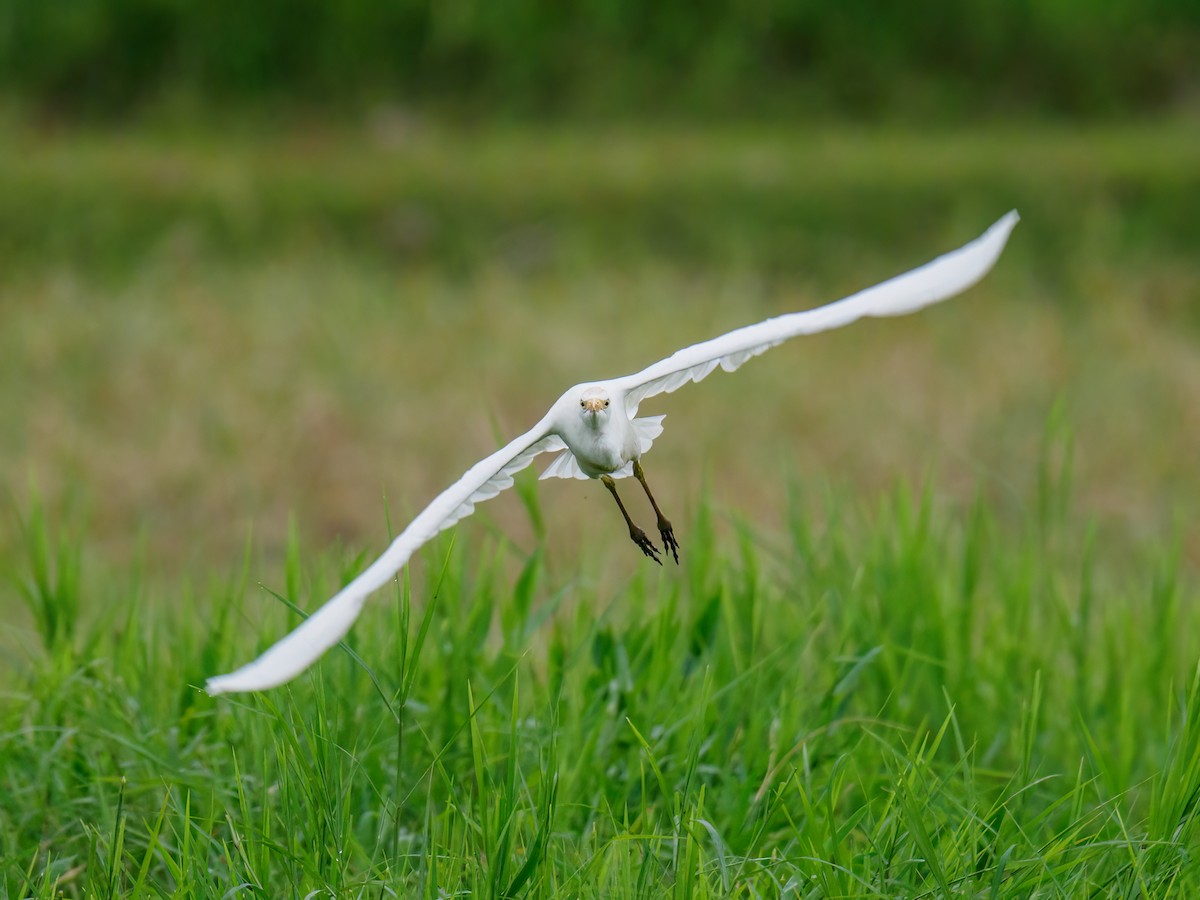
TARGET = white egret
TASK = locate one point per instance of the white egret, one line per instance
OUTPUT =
(595, 432)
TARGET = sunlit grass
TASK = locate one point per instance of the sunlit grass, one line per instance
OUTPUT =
(906, 699)
(223, 360)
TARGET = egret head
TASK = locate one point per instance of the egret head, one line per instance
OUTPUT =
(594, 403)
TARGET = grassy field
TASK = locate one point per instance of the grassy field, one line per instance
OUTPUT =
(935, 628)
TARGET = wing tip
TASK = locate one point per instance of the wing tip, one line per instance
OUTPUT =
(996, 237)
(1007, 222)
(219, 684)
(235, 682)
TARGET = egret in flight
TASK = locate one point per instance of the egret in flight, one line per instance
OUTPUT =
(595, 432)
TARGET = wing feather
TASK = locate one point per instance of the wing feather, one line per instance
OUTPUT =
(648, 428)
(564, 466)
(324, 628)
(944, 277)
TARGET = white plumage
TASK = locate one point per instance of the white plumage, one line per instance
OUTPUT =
(594, 429)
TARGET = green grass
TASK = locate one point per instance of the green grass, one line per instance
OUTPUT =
(935, 628)
(902, 700)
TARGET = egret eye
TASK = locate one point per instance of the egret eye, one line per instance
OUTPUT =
(606, 404)
(582, 403)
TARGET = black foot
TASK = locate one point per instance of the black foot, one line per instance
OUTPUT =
(668, 538)
(639, 538)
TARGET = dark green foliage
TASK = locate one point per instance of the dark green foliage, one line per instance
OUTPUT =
(924, 57)
(784, 204)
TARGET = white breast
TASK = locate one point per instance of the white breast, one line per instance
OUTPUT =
(602, 447)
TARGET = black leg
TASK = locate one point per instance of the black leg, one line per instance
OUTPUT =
(664, 526)
(636, 534)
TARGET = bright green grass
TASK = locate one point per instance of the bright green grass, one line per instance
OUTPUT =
(843, 692)
(896, 701)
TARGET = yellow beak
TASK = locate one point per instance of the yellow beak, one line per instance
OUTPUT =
(593, 405)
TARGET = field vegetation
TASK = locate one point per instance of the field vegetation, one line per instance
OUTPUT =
(597, 58)
(936, 628)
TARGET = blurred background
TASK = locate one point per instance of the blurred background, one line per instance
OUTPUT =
(287, 265)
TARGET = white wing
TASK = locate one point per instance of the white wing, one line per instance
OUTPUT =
(324, 628)
(943, 277)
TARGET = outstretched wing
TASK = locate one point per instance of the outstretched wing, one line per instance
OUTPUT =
(324, 628)
(943, 277)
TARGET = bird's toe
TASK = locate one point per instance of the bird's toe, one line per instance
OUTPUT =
(669, 540)
(646, 545)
